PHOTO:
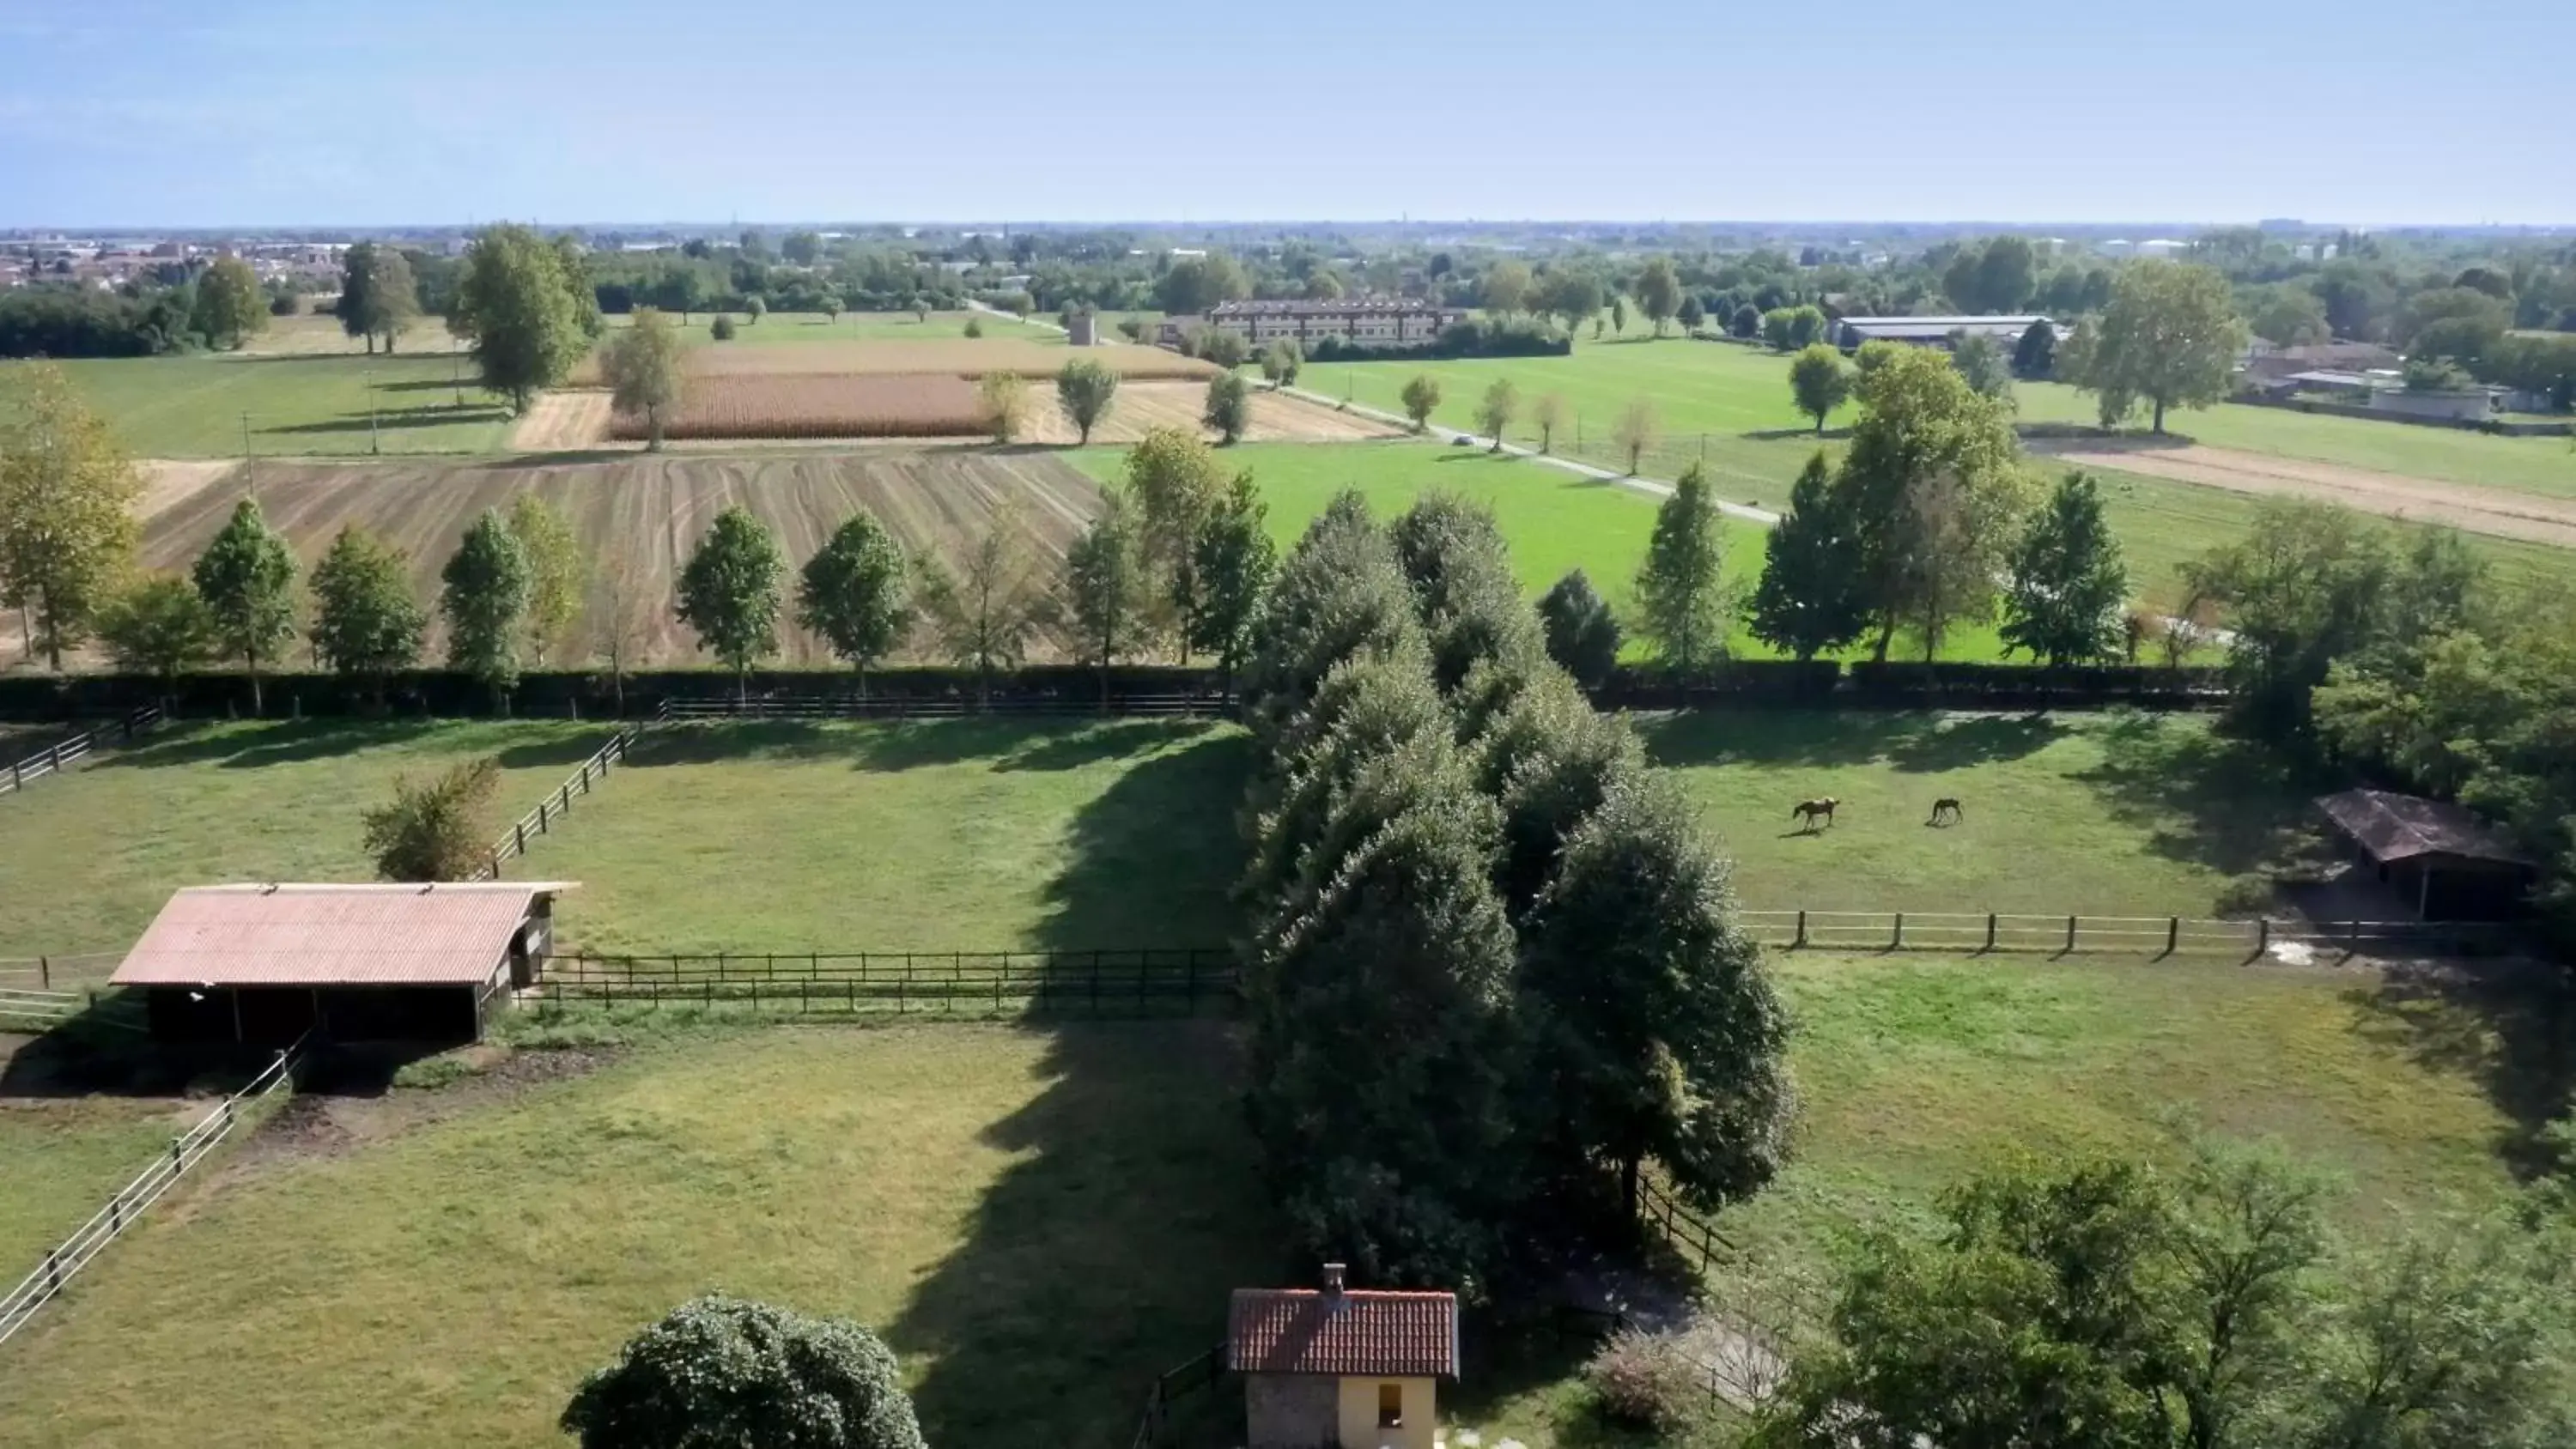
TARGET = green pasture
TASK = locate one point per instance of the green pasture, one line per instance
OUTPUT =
(194, 407)
(2094, 814)
(86, 860)
(65, 1156)
(442, 1269)
(2543, 465)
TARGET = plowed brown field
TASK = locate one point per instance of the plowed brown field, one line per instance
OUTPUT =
(643, 514)
(867, 405)
(1276, 417)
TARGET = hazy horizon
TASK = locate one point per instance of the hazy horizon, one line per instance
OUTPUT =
(133, 114)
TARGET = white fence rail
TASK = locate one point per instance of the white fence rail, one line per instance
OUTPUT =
(57, 973)
(556, 805)
(42, 1009)
(2113, 935)
(67, 1259)
(56, 758)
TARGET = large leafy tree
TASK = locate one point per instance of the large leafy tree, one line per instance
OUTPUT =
(1658, 290)
(1229, 406)
(1107, 588)
(229, 306)
(2035, 355)
(1339, 594)
(1655, 1030)
(67, 494)
(1812, 597)
(1682, 604)
(1233, 560)
(1569, 294)
(1933, 487)
(2306, 586)
(484, 596)
(642, 369)
(158, 625)
(1494, 413)
(437, 828)
(247, 575)
(1998, 276)
(558, 574)
(379, 299)
(729, 592)
(723, 1371)
(366, 623)
(1582, 633)
(1820, 382)
(2170, 338)
(987, 610)
(1085, 389)
(1175, 483)
(2068, 583)
(1452, 553)
(524, 303)
(856, 593)
(1193, 285)
(1421, 398)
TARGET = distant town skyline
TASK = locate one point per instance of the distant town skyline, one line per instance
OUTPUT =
(128, 114)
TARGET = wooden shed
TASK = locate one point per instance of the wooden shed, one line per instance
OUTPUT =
(264, 964)
(2445, 861)
(1353, 1368)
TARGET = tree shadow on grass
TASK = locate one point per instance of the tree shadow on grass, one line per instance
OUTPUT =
(1785, 738)
(1963, 744)
(392, 419)
(1104, 1254)
(2508, 1025)
(2232, 805)
(1155, 856)
(1010, 743)
(273, 742)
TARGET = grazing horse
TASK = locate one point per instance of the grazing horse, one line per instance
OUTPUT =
(1806, 811)
(1947, 805)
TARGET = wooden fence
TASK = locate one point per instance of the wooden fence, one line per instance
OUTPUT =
(1125, 984)
(65, 1261)
(1173, 1385)
(2151, 936)
(1178, 705)
(57, 973)
(54, 759)
(541, 821)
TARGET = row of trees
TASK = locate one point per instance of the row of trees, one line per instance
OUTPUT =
(1492, 965)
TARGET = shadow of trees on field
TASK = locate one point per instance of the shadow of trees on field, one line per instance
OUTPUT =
(2232, 805)
(392, 419)
(1155, 857)
(1912, 741)
(1009, 743)
(253, 746)
(2509, 1025)
(1104, 1255)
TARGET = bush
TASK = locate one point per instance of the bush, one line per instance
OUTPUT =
(721, 329)
(974, 326)
(1225, 349)
(1646, 1379)
(726, 1371)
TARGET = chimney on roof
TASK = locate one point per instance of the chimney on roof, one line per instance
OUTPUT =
(1333, 1280)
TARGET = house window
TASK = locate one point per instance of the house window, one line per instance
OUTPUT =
(1390, 1406)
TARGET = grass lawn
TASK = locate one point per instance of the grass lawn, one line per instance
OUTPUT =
(1918, 1070)
(962, 835)
(2527, 465)
(85, 861)
(2121, 814)
(65, 1156)
(192, 407)
(1037, 1222)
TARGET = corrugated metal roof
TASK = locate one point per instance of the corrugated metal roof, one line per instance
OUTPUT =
(331, 935)
(2400, 827)
(1360, 1332)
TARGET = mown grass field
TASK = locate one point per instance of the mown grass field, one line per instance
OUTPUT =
(438, 1268)
(86, 860)
(192, 407)
(1038, 1222)
(1917, 1070)
(2544, 465)
(64, 1156)
(964, 835)
(2109, 815)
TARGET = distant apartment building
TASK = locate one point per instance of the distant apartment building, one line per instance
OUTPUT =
(1365, 322)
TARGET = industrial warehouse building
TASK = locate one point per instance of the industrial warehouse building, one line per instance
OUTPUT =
(264, 964)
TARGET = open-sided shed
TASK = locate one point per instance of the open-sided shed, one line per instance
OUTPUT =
(264, 964)
(2449, 863)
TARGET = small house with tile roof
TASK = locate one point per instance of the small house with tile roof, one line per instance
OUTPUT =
(1337, 1366)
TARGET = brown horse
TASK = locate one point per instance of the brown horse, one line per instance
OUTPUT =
(1947, 807)
(1806, 811)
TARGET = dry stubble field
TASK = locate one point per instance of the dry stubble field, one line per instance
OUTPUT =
(639, 515)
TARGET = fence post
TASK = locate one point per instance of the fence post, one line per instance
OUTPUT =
(45, 972)
(520, 831)
(1898, 942)
(2262, 934)
(2173, 934)
(1990, 931)
(544, 824)
(1802, 932)
(496, 865)
(53, 1270)
(2070, 936)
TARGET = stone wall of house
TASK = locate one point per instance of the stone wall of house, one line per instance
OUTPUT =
(1291, 1411)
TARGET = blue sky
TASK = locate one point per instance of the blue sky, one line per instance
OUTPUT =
(240, 112)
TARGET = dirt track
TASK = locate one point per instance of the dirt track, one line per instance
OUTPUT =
(564, 419)
(2476, 510)
(642, 515)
